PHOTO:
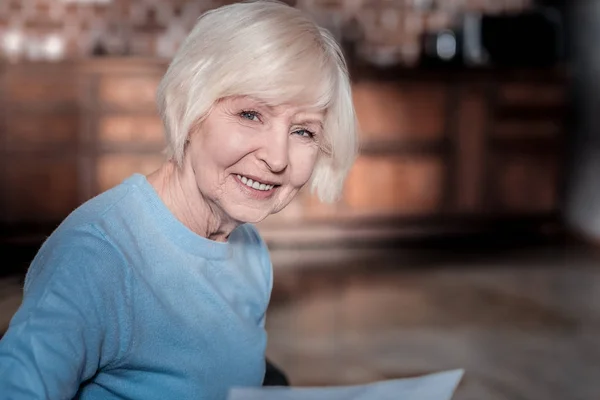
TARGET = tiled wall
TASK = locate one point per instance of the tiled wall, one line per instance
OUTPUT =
(57, 29)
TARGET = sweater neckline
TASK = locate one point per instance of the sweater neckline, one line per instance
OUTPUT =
(173, 228)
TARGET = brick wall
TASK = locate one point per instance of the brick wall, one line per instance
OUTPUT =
(57, 29)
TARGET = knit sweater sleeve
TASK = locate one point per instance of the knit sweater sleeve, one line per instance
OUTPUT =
(74, 319)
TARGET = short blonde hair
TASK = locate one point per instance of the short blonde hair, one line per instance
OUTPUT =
(273, 52)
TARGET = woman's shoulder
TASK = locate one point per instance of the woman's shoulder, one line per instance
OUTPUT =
(81, 252)
(109, 211)
(98, 206)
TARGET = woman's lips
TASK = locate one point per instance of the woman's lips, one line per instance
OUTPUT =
(255, 184)
(255, 188)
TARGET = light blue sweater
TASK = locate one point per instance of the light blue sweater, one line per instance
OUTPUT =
(123, 301)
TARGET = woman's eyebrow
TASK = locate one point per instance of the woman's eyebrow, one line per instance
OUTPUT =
(310, 121)
(249, 101)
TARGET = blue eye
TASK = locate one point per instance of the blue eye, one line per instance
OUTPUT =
(250, 115)
(304, 133)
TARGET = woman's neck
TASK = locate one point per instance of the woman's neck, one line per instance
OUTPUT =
(177, 188)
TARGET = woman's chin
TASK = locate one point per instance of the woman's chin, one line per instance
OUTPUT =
(247, 215)
(254, 220)
(253, 212)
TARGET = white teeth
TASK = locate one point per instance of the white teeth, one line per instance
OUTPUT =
(254, 184)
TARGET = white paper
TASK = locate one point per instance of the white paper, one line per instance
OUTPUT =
(438, 386)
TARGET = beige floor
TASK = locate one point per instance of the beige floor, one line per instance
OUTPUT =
(523, 325)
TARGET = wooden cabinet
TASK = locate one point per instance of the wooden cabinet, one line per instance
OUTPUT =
(395, 184)
(126, 134)
(470, 147)
(39, 188)
(127, 91)
(70, 131)
(525, 151)
(130, 130)
(39, 143)
(523, 184)
(400, 111)
(453, 147)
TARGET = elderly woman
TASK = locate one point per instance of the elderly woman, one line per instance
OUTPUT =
(157, 288)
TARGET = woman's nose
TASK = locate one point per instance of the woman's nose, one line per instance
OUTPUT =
(274, 151)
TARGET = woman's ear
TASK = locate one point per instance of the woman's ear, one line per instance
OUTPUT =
(194, 129)
(186, 145)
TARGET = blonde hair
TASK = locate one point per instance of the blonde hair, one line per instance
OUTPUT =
(273, 52)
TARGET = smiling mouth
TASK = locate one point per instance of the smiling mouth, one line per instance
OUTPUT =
(255, 184)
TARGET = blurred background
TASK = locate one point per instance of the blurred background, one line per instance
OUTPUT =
(468, 234)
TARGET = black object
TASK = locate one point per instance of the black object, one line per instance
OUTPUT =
(529, 39)
(533, 38)
(274, 376)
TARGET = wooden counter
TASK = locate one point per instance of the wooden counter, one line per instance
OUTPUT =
(441, 150)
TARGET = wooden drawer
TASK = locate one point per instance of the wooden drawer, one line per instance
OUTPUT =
(41, 188)
(112, 169)
(395, 184)
(128, 92)
(131, 129)
(41, 87)
(524, 183)
(41, 129)
(521, 94)
(405, 112)
(527, 129)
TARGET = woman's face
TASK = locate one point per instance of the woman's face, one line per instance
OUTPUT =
(250, 159)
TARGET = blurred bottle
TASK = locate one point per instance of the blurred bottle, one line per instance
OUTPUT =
(13, 45)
